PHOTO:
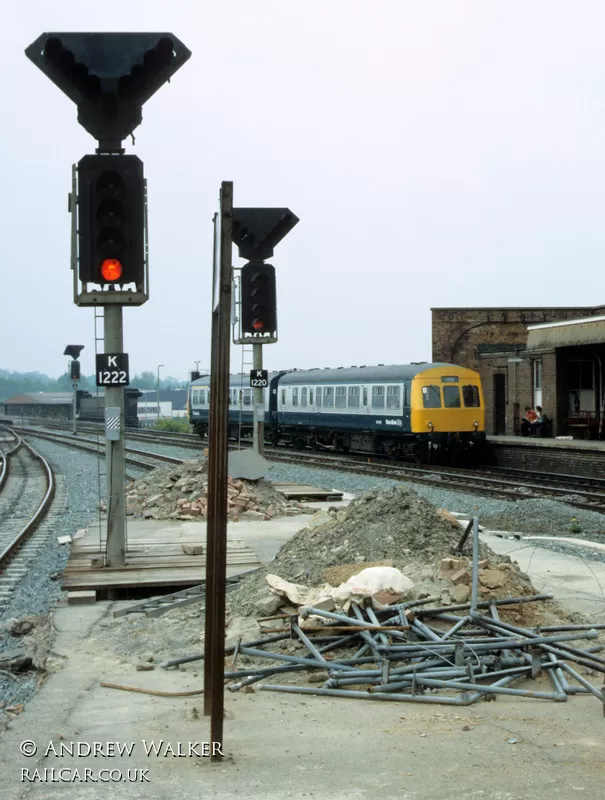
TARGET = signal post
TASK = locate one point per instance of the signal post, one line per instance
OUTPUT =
(109, 76)
(256, 232)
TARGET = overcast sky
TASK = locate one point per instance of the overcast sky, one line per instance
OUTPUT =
(443, 153)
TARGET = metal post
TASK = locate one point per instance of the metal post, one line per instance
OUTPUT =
(114, 397)
(216, 532)
(157, 386)
(75, 408)
(258, 430)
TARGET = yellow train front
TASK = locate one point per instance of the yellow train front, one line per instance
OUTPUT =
(431, 412)
(447, 414)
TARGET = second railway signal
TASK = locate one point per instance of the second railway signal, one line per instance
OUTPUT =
(111, 220)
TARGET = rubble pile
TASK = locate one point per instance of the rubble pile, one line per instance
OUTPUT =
(181, 492)
(395, 527)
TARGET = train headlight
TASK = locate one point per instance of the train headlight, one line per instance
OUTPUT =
(430, 425)
(476, 424)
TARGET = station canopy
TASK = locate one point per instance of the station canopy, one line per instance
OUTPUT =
(567, 333)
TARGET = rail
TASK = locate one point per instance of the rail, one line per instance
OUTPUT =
(42, 508)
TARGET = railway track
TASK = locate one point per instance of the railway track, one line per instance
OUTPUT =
(27, 489)
(578, 491)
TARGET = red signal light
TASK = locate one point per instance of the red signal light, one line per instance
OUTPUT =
(111, 270)
(258, 325)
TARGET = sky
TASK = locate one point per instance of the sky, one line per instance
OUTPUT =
(449, 153)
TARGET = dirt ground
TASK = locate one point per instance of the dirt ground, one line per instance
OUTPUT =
(280, 745)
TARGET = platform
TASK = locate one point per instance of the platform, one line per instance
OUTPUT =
(154, 558)
(561, 456)
(565, 444)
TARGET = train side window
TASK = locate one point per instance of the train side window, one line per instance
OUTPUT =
(393, 397)
(328, 398)
(451, 397)
(340, 400)
(353, 397)
(365, 397)
(431, 397)
(470, 396)
(247, 397)
(295, 396)
(310, 397)
(377, 396)
(406, 396)
(303, 397)
(283, 397)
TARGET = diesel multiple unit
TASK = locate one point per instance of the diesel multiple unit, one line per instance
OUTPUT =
(432, 412)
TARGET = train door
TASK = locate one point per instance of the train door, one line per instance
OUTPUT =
(499, 404)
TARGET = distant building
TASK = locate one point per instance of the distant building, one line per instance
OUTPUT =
(51, 405)
(172, 405)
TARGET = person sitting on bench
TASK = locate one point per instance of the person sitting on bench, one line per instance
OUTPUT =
(527, 421)
(538, 425)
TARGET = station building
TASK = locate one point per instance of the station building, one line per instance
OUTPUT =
(167, 404)
(551, 357)
(50, 405)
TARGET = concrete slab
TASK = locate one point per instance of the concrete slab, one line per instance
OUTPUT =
(577, 584)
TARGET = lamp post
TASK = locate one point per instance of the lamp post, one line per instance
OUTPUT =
(158, 389)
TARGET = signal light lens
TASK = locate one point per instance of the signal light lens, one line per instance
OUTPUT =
(258, 325)
(111, 270)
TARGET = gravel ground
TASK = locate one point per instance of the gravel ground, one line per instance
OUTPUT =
(528, 516)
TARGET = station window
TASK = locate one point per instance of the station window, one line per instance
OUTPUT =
(303, 397)
(393, 397)
(451, 397)
(431, 397)
(328, 398)
(470, 396)
(295, 396)
(283, 397)
(353, 397)
(340, 400)
(310, 397)
(377, 396)
(247, 397)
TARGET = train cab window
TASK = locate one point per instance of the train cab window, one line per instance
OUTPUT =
(377, 396)
(340, 399)
(310, 397)
(328, 398)
(283, 397)
(295, 396)
(303, 397)
(431, 398)
(353, 399)
(393, 397)
(451, 397)
(470, 396)
(319, 393)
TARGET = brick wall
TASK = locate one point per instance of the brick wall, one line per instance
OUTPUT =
(456, 332)
(565, 461)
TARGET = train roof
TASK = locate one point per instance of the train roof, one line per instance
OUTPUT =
(391, 372)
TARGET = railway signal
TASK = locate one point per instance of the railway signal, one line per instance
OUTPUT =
(111, 221)
(109, 76)
(258, 297)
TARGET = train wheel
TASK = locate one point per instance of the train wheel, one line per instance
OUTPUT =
(421, 453)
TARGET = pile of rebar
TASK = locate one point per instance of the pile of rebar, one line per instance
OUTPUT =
(415, 652)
